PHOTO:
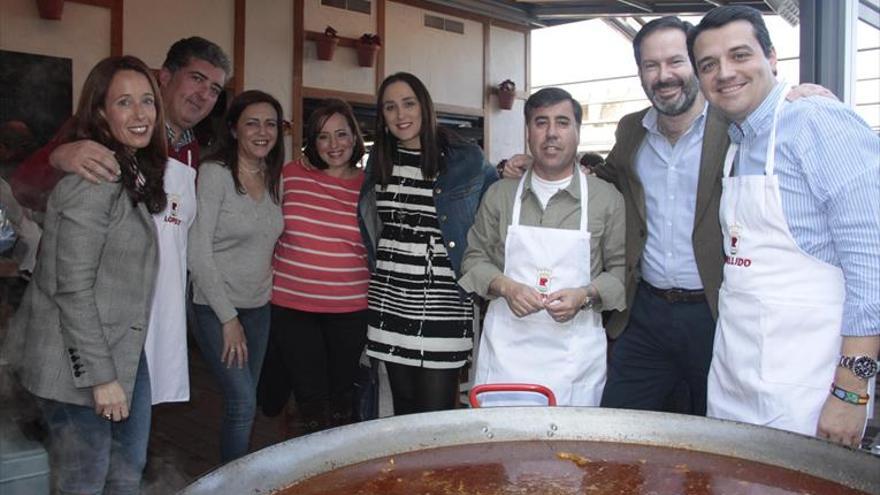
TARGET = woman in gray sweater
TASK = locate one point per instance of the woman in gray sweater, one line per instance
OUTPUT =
(230, 257)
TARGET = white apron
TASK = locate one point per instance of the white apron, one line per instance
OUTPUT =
(777, 342)
(568, 357)
(165, 346)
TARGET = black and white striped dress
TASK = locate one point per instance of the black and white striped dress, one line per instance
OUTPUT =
(416, 316)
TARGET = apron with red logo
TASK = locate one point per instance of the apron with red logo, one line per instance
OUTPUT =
(567, 357)
(165, 347)
(780, 310)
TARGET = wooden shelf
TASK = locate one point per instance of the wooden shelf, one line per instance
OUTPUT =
(343, 41)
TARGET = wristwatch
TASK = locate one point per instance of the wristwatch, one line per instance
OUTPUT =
(864, 367)
(500, 168)
(588, 301)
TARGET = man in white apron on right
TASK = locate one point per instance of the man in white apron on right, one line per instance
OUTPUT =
(799, 309)
(551, 246)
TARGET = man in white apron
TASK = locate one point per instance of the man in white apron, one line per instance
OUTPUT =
(551, 245)
(165, 346)
(799, 309)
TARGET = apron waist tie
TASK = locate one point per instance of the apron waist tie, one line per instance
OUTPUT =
(675, 295)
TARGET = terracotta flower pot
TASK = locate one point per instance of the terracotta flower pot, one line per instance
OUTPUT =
(367, 54)
(506, 98)
(50, 9)
(326, 47)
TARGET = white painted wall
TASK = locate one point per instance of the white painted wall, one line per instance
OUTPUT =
(151, 27)
(268, 55)
(507, 60)
(343, 72)
(450, 64)
(83, 35)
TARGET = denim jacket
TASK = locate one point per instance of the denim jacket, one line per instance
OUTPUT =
(457, 193)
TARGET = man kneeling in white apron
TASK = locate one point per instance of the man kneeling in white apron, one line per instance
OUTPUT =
(799, 307)
(548, 250)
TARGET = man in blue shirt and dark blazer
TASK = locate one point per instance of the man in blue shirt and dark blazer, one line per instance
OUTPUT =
(666, 162)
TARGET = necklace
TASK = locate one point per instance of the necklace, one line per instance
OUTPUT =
(254, 171)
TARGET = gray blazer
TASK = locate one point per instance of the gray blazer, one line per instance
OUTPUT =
(83, 319)
(620, 168)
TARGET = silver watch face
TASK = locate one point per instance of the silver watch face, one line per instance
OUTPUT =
(864, 367)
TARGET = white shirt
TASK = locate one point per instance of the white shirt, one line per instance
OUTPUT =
(545, 189)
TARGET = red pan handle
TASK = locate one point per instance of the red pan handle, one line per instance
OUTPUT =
(511, 387)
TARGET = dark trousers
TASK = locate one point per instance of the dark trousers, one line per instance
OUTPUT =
(313, 354)
(415, 389)
(664, 345)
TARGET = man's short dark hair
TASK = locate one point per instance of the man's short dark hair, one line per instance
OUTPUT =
(551, 96)
(668, 22)
(183, 50)
(721, 16)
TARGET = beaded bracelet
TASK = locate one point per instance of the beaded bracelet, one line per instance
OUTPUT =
(849, 397)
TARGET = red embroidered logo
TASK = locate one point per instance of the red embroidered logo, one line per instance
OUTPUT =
(734, 261)
(735, 234)
(173, 215)
(544, 277)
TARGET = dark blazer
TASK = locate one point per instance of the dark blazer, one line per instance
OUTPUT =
(83, 319)
(620, 169)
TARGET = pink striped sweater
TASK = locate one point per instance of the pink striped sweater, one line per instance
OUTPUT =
(320, 262)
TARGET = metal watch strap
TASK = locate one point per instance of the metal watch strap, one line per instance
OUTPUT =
(863, 367)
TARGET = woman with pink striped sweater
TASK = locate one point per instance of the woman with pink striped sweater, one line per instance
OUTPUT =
(319, 296)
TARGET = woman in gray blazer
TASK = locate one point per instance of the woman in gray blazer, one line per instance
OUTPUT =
(77, 340)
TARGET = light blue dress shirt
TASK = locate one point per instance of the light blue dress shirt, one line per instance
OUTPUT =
(828, 164)
(670, 175)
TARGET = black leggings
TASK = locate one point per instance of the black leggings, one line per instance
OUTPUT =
(313, 354)
(415, 389)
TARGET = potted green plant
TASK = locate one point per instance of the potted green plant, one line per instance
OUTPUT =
(326, 44)
(506, 94)
(367, 46)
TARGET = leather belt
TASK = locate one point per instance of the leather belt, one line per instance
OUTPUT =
(676, 295)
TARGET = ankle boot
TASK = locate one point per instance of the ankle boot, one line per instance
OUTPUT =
(310, 417)
(341, 410)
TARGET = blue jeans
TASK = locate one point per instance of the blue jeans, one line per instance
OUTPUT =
(93, 455)
(238, 385)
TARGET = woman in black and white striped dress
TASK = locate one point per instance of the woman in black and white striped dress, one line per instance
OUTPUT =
(422, 191)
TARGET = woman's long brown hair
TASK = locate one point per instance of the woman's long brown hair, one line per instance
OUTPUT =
(227, 150)
(90, 123)
(432, 139)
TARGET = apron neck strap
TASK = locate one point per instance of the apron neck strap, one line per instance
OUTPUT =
(517, 199)
(770, 159)
(582, 181)
(728, 158)
(585, 199)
